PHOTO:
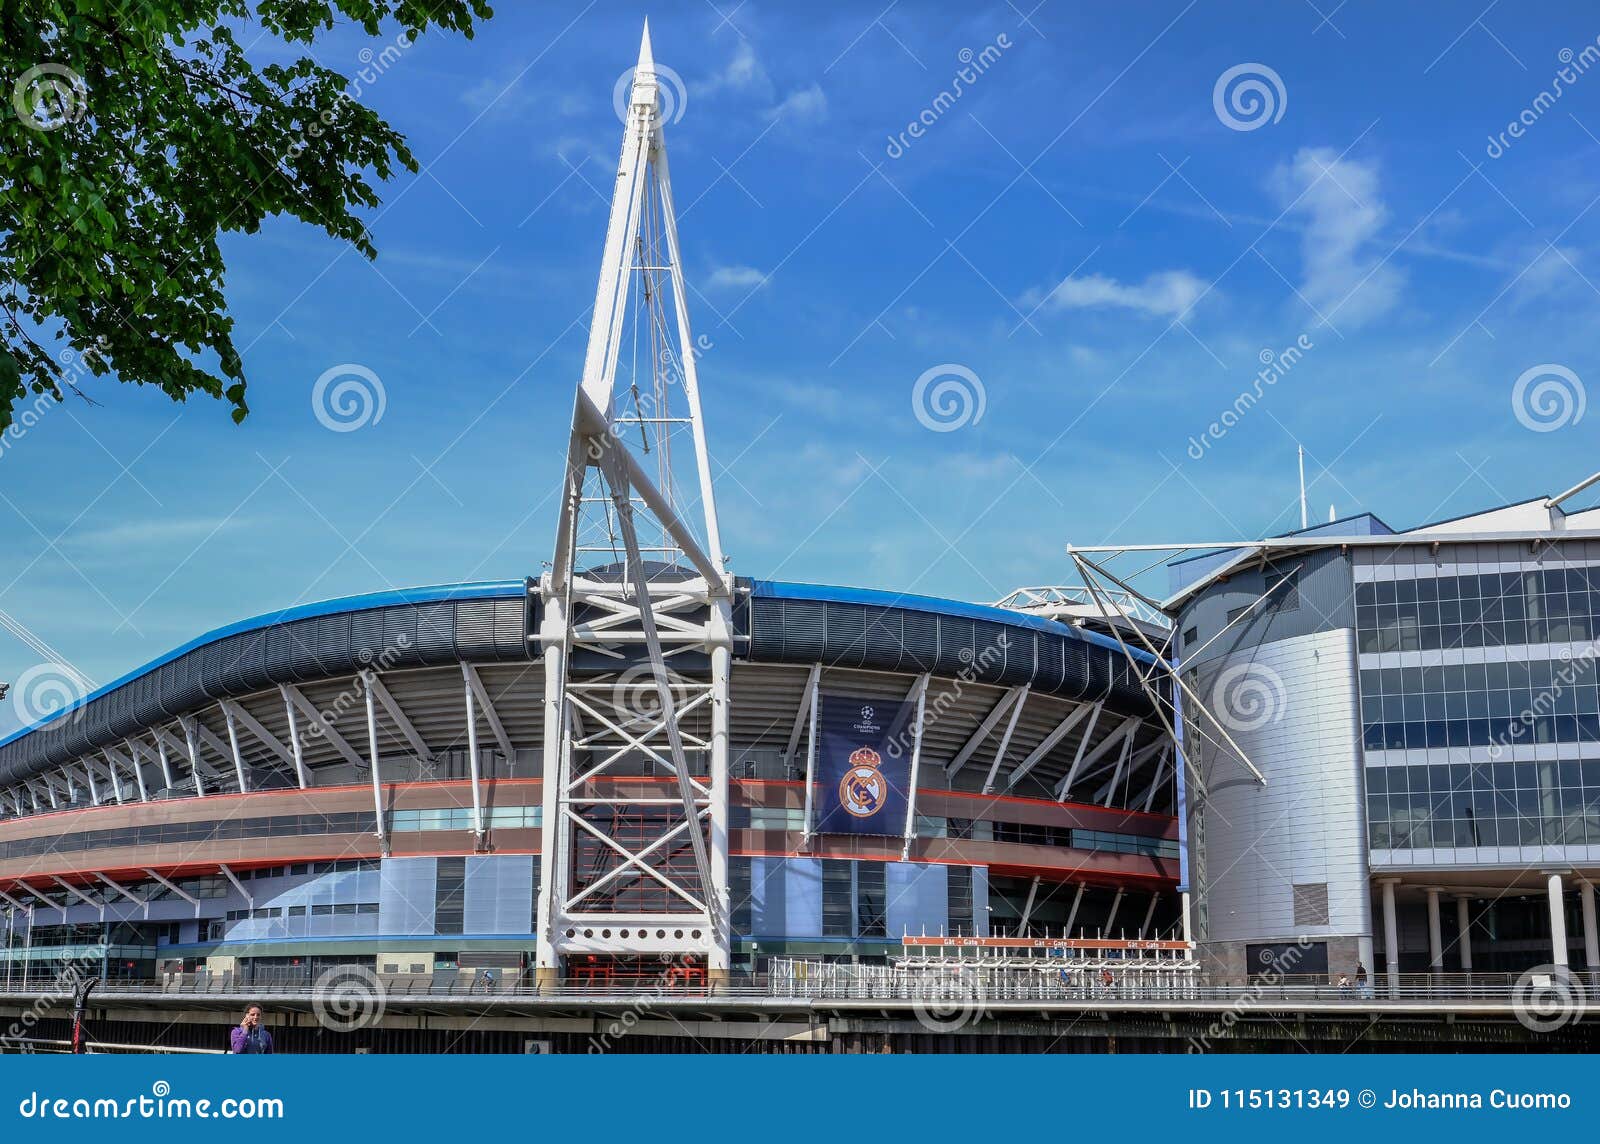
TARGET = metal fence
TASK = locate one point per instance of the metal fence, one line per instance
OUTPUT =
(801, 979)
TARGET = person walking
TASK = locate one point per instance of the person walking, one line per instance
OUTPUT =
(248, 1036)
(1363, 986)
(1344, 987)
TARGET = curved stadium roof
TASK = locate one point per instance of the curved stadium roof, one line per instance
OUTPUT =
(496, 621)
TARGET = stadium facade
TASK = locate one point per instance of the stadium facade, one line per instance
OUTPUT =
(1422, 705)
(297, 791)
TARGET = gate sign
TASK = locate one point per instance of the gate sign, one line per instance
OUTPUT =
(863, 765)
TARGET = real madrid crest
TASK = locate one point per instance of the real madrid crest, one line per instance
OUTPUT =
(863, 789)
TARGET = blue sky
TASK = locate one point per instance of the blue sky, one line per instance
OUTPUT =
(1081, 230)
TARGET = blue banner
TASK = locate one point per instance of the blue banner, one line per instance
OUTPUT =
(863, 765)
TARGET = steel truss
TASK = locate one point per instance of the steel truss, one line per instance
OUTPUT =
(637, 623)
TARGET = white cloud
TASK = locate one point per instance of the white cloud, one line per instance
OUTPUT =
(743, 73)
(1169, 293)
(1343, 273)
(140, 535)
(735, 278)
(1548, 276)
(807, 103)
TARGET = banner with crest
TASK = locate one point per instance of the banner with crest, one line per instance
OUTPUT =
(863, 765)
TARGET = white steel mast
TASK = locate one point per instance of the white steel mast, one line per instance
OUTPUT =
(637, 621)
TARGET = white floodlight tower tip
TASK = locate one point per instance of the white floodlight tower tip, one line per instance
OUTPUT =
(647, 60)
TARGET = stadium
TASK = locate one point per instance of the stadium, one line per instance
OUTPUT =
(643, 800)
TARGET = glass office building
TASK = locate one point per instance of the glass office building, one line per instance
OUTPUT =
(1430, 742)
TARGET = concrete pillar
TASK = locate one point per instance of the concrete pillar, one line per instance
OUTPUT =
(1558, 921)
(1435, 940)
(1464, 928)
(1391, 938)
(1591, 938)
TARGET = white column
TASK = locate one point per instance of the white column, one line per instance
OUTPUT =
(372, 754)
(811, 754)
(1558, 920)
(717, 894)
(1111, 918)
(1464, 928)
(1591, 938)
(294, 737)
(553, 831)
(1391, 938)
(472, 757)
(1435, 940)
(1072, 914)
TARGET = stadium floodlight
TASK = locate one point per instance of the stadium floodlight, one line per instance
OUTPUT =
(637, 575)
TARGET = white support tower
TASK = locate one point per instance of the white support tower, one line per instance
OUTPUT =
(637, 622)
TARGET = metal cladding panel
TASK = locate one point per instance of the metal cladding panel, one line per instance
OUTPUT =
(436, 632)
(278, 653)
(305, 663)
(990, 647)
(249, 670)
(400, 634)
(407, 892)
(515, 621)
(499, 895)
(209, 667)
(333, 641)
(366, 636)
(1021, 662)
(918, 897)
(956, 640)
(884, 634)
(147, 707)
(1052, 663)
(846, 644)
(181, 690)
(919, 647)
(475, 622)
(798, 628)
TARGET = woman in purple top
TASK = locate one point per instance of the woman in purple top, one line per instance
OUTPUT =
(248, 1036)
